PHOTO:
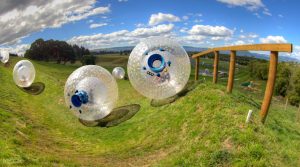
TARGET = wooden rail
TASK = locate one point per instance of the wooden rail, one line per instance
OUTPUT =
(273, 48)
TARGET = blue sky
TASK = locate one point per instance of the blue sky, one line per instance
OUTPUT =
(101, 24)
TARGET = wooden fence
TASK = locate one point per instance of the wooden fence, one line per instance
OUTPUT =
(273, 48)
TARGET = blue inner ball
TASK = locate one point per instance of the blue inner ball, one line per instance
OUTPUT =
(79, 98)
(154, 58)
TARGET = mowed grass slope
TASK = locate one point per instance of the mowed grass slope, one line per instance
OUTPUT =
(204, 128)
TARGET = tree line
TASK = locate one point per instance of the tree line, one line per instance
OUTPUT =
(58, 51)
(287, 78)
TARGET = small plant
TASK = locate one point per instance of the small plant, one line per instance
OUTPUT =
(219, 157)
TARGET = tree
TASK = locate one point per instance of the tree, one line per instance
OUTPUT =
(294, 94)
(55, 50)
(283, 79)
(259, 69)
(88, 60)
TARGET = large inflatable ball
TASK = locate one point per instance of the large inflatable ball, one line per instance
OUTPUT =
(118, 73)
(91, 92)
(158, 68)
(24, 73)
(4, 56)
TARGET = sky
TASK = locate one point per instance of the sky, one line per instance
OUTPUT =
(112, 23)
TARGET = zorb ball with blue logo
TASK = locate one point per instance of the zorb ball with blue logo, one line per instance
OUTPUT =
(24, 73)
(118, 73)
(91, 92)
(4, 56)
(158, 68)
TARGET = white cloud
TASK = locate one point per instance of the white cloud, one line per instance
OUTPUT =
(280, 16)
(162, 17)
(273, 39)
(198, 21)
(17, 49)
(158, 30)
(267, 12)
(198, 35)
(195, 14)
(183, 30)
(251, 5)
(251, 35)
(192, 39)
(139, 25)
(122, 0)
(239, 42)
(20, 19)
(296, 52)
(96, 25)
(218, 38)
(257, 15)
(185, 17)
(208, 30)
(122, 37)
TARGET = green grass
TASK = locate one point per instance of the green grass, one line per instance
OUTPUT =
(204, 128)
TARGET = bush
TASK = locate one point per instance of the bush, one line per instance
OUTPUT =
(284, 74)
(294, 99)
(294, 96)
(88, 60)
(281, 86)
(259, 69)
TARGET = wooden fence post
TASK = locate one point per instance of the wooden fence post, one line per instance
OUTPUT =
(286, 103)
(216, 67)
(197, 69)
(270, 86)
(231, 71)
(298, 114)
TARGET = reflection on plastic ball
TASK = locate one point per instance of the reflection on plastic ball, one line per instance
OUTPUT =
(24, 73)
(4, 56)
(118, 73)
(158, 68)
(91, 92)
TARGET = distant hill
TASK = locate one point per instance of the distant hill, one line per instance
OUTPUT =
(196, 49)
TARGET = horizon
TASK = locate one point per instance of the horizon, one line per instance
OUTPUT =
(106, 24)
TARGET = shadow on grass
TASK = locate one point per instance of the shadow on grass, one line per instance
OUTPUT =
(116, 117)
(191, 85)
(34, 89)
(246, 99)
(6, 65)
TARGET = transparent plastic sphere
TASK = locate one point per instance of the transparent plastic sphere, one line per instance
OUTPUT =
(24, 73)
(91, 92)
(158, 68)
(118, 73)
(4, 56)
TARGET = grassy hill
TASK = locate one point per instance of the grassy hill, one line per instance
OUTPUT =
(204, 128)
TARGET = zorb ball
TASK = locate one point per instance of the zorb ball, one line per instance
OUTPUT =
(4, 56)
(118, 73)
(91, 92)
(158, 68)
(24, 73)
